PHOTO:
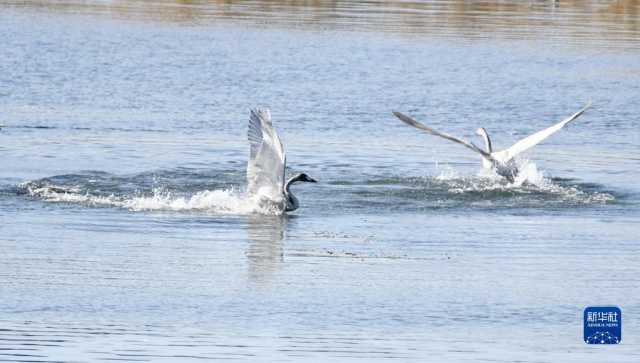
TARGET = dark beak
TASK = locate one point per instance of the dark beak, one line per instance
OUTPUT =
(311, 180)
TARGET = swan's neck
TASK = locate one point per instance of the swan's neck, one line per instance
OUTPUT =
(291, 200)
(287, 185)
(487, 141)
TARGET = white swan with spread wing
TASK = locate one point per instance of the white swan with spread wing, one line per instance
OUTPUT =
(267, 162)
(502, 162)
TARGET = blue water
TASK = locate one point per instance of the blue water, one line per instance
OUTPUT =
(125, 233)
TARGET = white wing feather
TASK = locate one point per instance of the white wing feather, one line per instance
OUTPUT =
(532, 140)
(265, 169)
(412, 122)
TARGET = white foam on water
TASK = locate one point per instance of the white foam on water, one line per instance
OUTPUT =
(448, 173)
(223, 201)
(530, 174)
(530, 179)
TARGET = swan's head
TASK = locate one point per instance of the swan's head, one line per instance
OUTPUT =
(302, 177)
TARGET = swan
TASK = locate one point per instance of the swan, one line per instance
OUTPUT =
(502, 162)
(266, 165)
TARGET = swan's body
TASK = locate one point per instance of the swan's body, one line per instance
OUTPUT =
(267, 162)
(503, 161)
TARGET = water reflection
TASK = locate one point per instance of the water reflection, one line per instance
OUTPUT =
(608, 23)
(265, 252)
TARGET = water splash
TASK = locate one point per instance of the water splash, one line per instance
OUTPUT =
(447, 173)
(530, 181)
(222, 201)
(189, 191)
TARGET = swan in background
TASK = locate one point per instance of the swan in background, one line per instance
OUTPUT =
(267, 161)
(502, 162)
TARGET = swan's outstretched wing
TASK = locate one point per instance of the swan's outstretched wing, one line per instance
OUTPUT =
(532, 140)
(265, 169)
(410, 121)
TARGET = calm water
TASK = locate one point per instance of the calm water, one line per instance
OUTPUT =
(125, 234)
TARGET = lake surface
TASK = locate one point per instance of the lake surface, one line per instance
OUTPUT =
(125, 233)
